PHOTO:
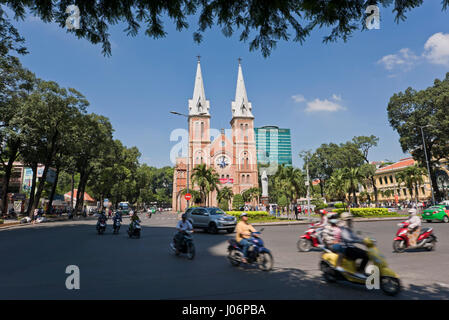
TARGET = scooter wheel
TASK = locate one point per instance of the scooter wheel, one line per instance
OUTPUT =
(234, 257)
(304, 245)
(390, 286)
(328, 272)
(432, 247)
(399, 246)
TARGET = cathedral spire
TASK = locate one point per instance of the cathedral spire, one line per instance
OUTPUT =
(241, 107)
(198, 105)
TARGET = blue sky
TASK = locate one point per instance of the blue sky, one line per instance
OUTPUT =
(322, 92)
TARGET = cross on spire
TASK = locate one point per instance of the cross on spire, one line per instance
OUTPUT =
(199, 57)
(239, 60)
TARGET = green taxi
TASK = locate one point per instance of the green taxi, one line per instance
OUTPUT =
(437, 212)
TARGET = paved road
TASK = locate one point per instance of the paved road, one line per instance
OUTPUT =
(34, 259)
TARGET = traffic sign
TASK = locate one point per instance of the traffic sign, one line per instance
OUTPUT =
(188, 196)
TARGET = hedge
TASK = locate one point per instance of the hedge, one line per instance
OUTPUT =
(251, 214)
(367, 212)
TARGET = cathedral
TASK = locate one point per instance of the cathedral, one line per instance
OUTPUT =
(234, 159)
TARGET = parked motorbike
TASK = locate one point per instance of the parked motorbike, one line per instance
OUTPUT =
(389, 280)
(426, 239)
(134, 230)
(101, 226)
(257, 253)
(185, 246)
(308, 240)
(116, 226)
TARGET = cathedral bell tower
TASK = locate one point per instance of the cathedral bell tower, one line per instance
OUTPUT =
(244, 145)
(199, 123)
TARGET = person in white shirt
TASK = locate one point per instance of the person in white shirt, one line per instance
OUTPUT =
(183, 225)
(414, 227)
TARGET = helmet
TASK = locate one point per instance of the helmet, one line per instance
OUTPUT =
(333, 221)
(184, 216)
(346, 216)
(322, 211)
(412, 212)
(244, 214)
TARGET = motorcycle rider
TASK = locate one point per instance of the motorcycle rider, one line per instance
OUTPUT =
(243, 232)
(102, 216)
(117, 217)
(183, 225)
(324, 221)
(134, 219)
(414, 227)
(332, 236)
(348, 239)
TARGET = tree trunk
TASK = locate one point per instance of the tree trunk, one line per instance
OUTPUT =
(32, 192)
(47, 163)
(7, 177)
(73, 186)
(53, 191)
(376, 198)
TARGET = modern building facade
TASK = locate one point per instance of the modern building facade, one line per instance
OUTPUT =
(273, 145)
(233, 159)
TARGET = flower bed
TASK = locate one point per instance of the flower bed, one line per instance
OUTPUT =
(251, 214)
(367, 212)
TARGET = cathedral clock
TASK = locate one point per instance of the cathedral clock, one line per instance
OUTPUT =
(222, 162)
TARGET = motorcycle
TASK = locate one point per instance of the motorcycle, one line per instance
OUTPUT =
(308, 240)
(257, 254)
(116, 225)
(186, 245)
(134, 231)
(101, 226)
(426, 239)
(389, 280)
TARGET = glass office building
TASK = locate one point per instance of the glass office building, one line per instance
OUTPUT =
(273, 146)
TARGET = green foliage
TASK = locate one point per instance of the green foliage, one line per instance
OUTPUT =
(266, 22)
(341, 205)
(367, 212)
(1, 221)
(319, 204)
(223, 205)
(410, 110)
(251, 214)
(237, 202)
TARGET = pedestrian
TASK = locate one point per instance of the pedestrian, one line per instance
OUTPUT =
(296, 212)
(35, 215)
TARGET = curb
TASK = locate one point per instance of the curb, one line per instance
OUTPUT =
(308, 222)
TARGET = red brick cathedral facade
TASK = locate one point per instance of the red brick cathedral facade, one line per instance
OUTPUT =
(234, 159)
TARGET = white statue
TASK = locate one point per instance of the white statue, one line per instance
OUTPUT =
(264, 184)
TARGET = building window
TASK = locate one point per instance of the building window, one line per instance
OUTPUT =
(380, 181)
(391, 179)
(385, 179)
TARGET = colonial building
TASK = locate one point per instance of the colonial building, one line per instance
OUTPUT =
(390, 190)
(233, 158)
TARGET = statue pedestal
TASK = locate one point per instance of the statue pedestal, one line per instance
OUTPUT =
(264, 200)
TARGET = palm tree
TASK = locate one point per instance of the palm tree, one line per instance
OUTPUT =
(337, 186)
(412, 177)
(206, 179)
(225, 194)
(354, 176)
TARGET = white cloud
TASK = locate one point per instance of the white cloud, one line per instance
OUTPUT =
(298, 98)
(404, 59)
(436, 49)
(318, 105)
(336, 97)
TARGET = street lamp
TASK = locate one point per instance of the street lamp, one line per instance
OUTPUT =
(188, 146)
(427, 161)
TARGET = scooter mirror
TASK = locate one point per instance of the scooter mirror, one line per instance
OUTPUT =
(262, 229)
